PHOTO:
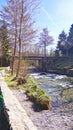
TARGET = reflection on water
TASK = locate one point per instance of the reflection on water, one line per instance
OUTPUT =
(60, 90)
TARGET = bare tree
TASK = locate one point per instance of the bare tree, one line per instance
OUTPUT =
(18, 14)
(45, 39)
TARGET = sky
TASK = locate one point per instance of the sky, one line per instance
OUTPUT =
(56, 15)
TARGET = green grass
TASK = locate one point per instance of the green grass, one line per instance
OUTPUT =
(64, 62)
(34, 92)
(37, 94)
(10, 80)
(2, 68)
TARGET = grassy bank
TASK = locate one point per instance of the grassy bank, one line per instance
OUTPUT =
(33, 91)
(63, 62)
(2, 68)
(62, 65)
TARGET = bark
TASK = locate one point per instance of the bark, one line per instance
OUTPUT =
(20, 30)
(13, 57)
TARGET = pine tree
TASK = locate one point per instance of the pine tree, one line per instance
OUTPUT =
(4, 44)
(70, 37)
(62, 43)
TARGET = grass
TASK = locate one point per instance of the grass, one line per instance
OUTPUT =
(10, 80)
(62, 62)
(37, 94)
(33, 91)
(2, 68)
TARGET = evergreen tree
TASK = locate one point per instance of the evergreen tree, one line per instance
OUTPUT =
(70, 40)
(70, 37)
(4, 44)
(62, 43)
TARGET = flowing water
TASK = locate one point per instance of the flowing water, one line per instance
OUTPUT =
(58, 87)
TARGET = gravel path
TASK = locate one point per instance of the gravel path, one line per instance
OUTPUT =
(59, 118)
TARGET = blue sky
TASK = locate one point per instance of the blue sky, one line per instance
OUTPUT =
(2, 2)
(56, 15)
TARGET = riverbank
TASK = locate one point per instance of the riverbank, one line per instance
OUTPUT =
(61, 65)
(64, 71)
(58, 118)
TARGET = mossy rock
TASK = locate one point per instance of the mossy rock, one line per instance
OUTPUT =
(44, 101)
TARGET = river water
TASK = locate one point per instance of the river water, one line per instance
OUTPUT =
(57, 86)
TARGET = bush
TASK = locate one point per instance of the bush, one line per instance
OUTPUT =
(38, 95)
(44, 101)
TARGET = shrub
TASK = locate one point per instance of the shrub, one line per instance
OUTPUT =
(38, 95)
(40, 91)
(32, 95)
(44, 101)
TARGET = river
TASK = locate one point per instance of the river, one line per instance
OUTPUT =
(57, 86)
(60, 117)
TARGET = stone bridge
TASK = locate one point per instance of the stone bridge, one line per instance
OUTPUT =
(41, 62)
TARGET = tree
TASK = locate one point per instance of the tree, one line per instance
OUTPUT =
(4, 44)
(62, 43)
(70, 40)
(70, 36)
(45, 39)
(18, 14)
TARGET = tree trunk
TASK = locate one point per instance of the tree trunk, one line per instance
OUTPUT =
(13, 57)
(20, 30)
(44, 51)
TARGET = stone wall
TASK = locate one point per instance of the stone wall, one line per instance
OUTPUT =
(16, 115)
